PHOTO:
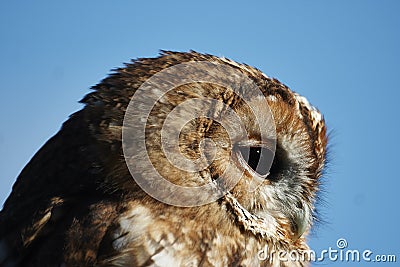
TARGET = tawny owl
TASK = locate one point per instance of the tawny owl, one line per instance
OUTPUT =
(181, 160)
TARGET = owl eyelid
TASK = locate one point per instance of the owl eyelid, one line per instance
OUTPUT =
(255, 143)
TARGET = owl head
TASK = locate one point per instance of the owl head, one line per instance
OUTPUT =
(199, 129)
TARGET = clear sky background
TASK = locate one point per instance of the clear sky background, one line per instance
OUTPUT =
(342, 55)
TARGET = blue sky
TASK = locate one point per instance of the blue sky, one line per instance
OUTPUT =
(342, 55)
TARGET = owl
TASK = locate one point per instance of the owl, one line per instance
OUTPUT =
(186, 159)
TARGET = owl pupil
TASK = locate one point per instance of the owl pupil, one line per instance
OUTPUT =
(254, 157)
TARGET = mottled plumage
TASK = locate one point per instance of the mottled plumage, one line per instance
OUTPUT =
(76, 204)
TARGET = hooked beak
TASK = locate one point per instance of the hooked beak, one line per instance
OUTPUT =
(300, 222)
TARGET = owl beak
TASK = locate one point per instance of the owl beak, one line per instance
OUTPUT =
(300, 223)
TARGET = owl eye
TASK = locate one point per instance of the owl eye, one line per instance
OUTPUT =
(258, 159)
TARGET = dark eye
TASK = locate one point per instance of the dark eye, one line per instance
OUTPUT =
(259, 159)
